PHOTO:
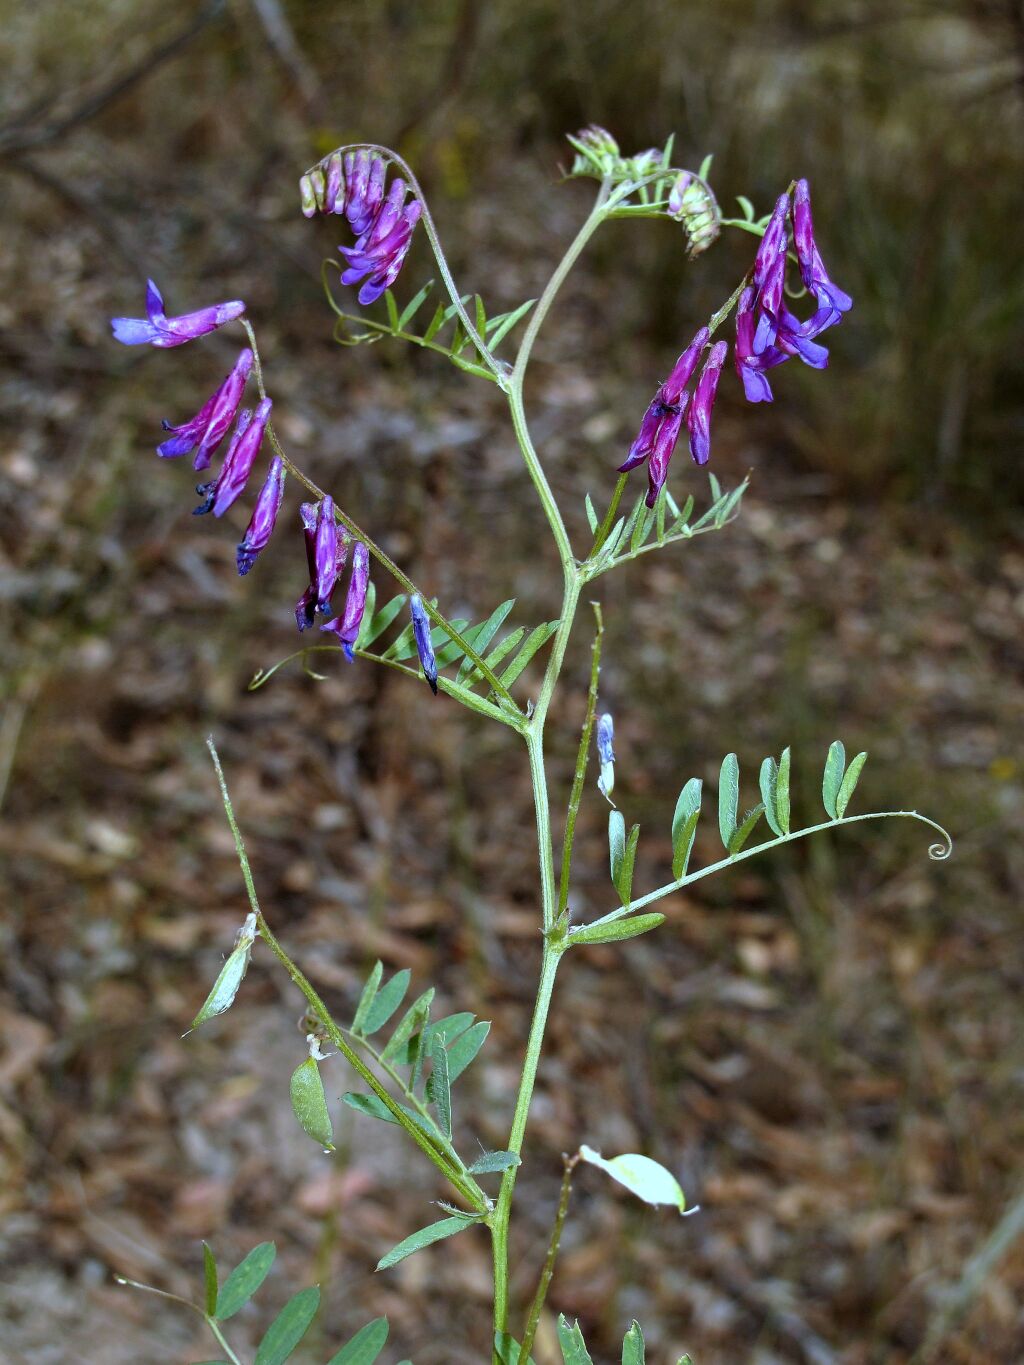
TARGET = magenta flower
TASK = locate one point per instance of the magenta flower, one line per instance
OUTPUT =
(209, 426)
(220, 493)
(264, 516)
(346, 626)
(750, 366)
(157, 329)
(698, 414)
(661, 424)
(378, 255)
(326, 552)
(424, 644)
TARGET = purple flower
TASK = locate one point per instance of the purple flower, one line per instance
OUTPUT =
(661, 451)
(157, 329)
(424, 644)
(379, 254)
(772, 244)
(346, 626)
(264, 515)
(220, 493)
(326, 552)
(209, 426)
(750, 365)
(660, 426)
(334, 192)
(364, 188)
(698, 414)
(812, 269)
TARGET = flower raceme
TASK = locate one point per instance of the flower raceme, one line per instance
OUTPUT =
(354, 185)
(157, 329)
(768, 333)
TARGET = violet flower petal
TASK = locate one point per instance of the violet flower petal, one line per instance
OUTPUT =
(661, 453)
(698, 414)
(424, 644)
(325, 555)
(264, 517)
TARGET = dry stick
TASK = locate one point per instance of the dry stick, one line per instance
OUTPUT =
(576, 795)
(381, 557)
(459, 1179)
(549, 1261)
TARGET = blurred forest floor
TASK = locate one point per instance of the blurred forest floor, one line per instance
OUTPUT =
(825, 1044)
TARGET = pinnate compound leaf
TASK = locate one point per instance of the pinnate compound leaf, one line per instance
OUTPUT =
(684, 826)
(309, 1103)
(386, 1001)
(436, 1232)
(231, 975)
(728, 798)
(849, 783)
(365, 1346)
(481, 636)
(494, 1161)
(413, 306)
(574, 1348)
(209, 1280)
(617, 929)
(633, 1352)
(835, 766)
(244, 1280)
(503, 324)
(368, 996)
(440, 1084)
(288, 1328)
(647, 1179)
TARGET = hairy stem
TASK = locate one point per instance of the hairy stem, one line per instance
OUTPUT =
(532, 1322)
(576, 795)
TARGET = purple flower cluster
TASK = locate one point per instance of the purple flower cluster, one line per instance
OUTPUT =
(327, 546)
(671, 406)
(353, 184)
(767, 334)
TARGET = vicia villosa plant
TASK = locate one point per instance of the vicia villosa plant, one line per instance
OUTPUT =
(408, 1062)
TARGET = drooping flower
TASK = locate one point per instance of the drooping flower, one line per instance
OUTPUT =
(662, 422)
(221, 492)
(264, 515)
(379, 254)
(364, 188)
(698, 413)
(346, 626)
(209, 426)
(812, 269)
(326, 553)
(334, 192)
(157, 329)
(424, 644)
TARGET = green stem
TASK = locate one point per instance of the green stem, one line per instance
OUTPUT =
(462, 1182)
(379, 555)
(533, 1321)
(503, 1209)
(583, 754)
(221, 1342)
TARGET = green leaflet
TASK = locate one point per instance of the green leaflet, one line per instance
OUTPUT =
(574, 1348)
(684, 826)
(465, 1048)
(375, 626)
(369, 994)
(413, 306)
(728, 798)
(413, 1019)
(633, 1352)
(832, 779)
(504, 322)
(622, 854)
(849, 783)
(288, 1328)
(309, 1103)
(365, 1346)
(745, 828)
(617, 929)
(386, 1001)
(425, 1237)
(490, 1162)
(774, 782)
(440, 1084)
(536, 638)
(482, 635)
(209, 1281)
(244, 1280)
(592, 520)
